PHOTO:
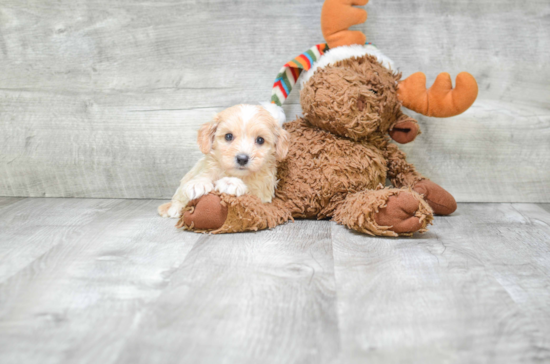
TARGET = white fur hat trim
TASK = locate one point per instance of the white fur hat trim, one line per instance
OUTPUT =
(276, 111)
(344, 52)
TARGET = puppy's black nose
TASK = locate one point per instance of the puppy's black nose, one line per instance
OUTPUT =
(242, 159)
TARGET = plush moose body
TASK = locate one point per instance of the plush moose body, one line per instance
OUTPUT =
(341, 150)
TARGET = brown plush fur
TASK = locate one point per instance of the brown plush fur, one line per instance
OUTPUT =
(354, 98)
(368, 213)
(244, 213)
(339, 156)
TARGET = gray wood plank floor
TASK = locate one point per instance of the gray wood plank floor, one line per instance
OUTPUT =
(107, 281)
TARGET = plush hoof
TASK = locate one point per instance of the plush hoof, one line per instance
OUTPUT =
(399, 213)
(441, 201)
(204, 213)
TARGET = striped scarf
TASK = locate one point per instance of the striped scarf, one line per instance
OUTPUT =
(288, 75)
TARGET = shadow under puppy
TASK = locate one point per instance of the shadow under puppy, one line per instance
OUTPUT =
(242, 146)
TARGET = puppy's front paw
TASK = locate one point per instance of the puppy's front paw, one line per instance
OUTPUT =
(231, 186)
(163, 209)
(174, 211)
(196, 188)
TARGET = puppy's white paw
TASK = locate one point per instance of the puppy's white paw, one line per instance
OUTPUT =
(231, 186)
(197, 188)
(174, 211)
(163, 209)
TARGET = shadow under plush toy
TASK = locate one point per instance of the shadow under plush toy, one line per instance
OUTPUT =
(340, 152)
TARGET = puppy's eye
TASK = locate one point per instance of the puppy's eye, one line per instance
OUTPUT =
(260, 140)
(229, 137)
(374, 91)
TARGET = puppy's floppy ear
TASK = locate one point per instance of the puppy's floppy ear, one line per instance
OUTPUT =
(206, 134)
(283, 137)
(282, 144)
(404, 130)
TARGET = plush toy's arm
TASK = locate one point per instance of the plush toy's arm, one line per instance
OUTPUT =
(403, 174)
(400, 173)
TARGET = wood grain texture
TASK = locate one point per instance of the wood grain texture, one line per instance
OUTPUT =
(8, 201)
(103, 98)
(107, 281)
(264, 297)
(95, 296)
(495, 152)
(474, 289)
(76, 275)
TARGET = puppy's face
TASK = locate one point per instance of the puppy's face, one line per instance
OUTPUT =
(244, 139)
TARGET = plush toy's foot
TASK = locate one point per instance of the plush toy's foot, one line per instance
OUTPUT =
(386, 212)
(441, 201)
(222, 213)
(400, 213)
(204, 214)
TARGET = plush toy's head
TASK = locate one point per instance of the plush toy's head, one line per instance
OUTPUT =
(351, 89)
(354, 98)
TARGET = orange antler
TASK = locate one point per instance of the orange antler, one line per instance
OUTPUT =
(337, 16)
(440, 100)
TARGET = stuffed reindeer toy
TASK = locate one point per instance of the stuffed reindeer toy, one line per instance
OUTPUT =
(341, 150)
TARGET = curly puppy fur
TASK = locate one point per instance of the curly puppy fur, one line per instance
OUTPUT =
(339, 156)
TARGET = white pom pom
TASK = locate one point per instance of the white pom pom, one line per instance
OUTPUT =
(276, 111)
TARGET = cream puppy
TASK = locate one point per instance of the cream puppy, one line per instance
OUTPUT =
(242, 145)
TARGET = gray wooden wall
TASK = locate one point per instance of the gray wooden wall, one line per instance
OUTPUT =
(103, 98)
